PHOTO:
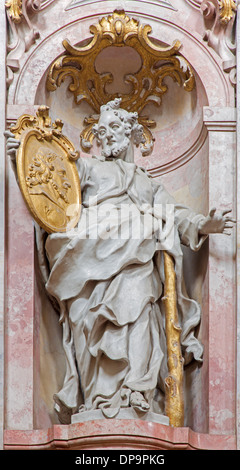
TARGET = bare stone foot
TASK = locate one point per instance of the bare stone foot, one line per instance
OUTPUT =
(137, 401)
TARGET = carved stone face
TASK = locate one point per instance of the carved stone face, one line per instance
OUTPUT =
(112, 135)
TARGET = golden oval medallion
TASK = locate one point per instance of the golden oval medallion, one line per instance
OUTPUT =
(47, 173)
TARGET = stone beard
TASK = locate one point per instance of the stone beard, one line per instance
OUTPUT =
(115, 150)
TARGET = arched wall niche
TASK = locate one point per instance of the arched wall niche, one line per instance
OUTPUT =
(185, 171)
(179, 126)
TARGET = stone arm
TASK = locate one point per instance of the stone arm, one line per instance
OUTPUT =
(193, 228)
(12, 146)
(216, 223)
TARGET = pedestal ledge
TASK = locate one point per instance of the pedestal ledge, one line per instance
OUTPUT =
(123, 413)
(115, 434)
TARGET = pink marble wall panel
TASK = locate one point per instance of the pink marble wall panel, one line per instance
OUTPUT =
(238, 236)
(116, 434)
(3, 28)
(19, 324)
(222, 276)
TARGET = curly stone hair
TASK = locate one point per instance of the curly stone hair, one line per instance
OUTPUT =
(133, 128)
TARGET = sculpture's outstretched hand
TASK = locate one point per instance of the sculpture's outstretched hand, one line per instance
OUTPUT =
(216, 223)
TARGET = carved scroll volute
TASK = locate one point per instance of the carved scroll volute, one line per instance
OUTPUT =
(22, 33)
(227, 10)
(219, 17)
(222, 10)
(15, 10)
(46, 170)
(147, 85)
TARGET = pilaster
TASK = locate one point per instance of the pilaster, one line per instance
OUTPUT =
(221, 125)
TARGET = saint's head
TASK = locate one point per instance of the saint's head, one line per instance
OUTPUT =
(117, 130)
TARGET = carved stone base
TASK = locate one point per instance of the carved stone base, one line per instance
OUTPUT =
(124, 413)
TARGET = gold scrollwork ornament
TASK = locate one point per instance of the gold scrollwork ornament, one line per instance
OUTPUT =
(47, 173)
(15, 10)
(227, 9)
(148, 86)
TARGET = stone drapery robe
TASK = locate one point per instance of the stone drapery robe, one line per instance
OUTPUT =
(109, 292)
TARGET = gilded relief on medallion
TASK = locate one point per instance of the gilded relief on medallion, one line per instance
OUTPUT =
(47, 173)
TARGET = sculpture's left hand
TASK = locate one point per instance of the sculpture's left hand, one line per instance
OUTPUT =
(216, 223)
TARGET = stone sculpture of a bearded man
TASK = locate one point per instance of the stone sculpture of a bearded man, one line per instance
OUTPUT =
(109, 289)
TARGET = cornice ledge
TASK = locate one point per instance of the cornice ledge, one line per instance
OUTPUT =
(161, 3)
(112, 433)
(220, 119)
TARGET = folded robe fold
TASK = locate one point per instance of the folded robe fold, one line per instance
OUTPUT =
(109, 288)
